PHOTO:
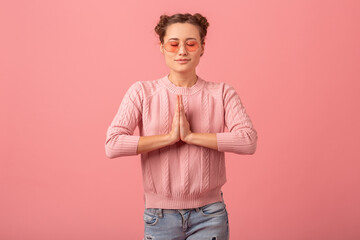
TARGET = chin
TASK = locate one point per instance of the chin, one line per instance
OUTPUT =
(183, 70)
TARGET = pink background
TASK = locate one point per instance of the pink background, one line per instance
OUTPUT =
(65, 66)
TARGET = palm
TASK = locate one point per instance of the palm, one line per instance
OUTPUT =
(180, 128)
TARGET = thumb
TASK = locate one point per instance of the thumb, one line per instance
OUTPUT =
(178, 107)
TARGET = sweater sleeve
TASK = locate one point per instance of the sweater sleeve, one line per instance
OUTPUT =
(119, 136)
(242, 137)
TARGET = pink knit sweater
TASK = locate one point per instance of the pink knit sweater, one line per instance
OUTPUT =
(181, 175)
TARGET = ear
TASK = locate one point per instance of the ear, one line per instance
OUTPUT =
(161, 48)
(203, 48)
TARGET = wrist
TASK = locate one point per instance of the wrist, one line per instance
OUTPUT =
(170, 140)
(189, 138)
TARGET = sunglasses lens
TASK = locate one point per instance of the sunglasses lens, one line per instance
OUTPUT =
(173, 46)
(192, 46)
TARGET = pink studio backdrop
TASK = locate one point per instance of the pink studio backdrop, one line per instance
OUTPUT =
(65, 66)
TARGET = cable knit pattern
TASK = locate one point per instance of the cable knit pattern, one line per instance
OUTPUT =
(205, 166)
(181, 176)
(164, 129)
(146, 168)
(186, 152)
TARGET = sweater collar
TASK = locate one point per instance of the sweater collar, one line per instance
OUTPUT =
(182, 90)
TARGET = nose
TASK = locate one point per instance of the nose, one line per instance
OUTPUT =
(182, 49)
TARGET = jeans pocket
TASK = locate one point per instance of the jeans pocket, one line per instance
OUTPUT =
(213, 209)
(150, 216)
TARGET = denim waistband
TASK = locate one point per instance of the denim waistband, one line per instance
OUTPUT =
(161, 211)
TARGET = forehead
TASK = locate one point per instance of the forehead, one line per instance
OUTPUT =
(182, 31)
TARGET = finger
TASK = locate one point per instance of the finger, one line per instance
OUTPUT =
(178, 104)
(179, 107)
(182, 107)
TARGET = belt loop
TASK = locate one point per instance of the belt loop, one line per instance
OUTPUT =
(160, 212)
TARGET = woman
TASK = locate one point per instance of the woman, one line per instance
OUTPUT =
(181, 119)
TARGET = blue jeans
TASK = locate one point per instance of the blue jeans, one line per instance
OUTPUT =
(209, 222)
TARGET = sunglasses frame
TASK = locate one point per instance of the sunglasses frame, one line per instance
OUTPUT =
(182, 44)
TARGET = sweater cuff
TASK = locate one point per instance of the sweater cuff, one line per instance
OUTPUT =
(225, 142)
(129, 145)
(231, 142)
(126, 146)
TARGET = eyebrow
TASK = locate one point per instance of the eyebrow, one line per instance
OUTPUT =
(178, 39)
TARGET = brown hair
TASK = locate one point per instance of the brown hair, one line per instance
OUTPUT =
(197, 19)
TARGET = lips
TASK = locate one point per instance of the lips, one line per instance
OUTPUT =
(183, 59)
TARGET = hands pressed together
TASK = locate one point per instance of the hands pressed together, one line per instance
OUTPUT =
(180, 130)
(180, 125)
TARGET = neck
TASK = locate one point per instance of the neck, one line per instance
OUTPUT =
(183, 79)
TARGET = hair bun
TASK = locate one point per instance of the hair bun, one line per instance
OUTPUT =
(202, 20)
(196, 19)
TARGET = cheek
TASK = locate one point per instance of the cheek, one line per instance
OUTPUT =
(169, 60)
(196, 59)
